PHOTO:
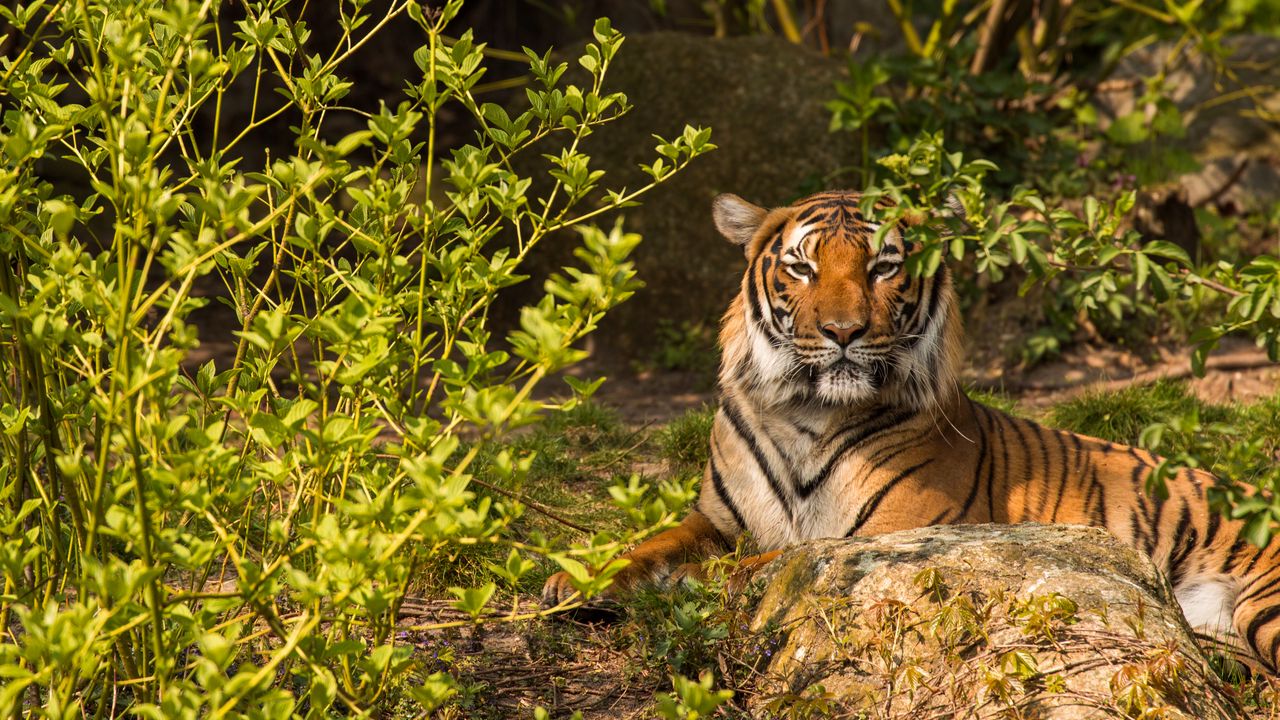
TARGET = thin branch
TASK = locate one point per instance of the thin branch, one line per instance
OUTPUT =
(1226, 185)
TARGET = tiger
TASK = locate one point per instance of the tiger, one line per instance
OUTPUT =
(841, 414)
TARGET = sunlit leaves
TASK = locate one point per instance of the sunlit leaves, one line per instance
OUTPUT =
(294, 482)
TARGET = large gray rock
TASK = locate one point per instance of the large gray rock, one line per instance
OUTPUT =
(980, 621)
(1237, 142)
(763, 99)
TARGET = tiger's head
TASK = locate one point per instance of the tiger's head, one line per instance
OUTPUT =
(827, 316)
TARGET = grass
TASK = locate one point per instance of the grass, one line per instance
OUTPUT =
(685, 442)
(1121, 416)
(1223, 429)
(993, 399)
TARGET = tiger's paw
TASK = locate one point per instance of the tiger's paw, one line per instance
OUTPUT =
(559, 589)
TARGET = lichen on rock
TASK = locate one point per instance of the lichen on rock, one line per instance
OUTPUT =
(1027, 621)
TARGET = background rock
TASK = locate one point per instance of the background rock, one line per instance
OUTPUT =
(763, 99)
(981, 621)
(1237, 143)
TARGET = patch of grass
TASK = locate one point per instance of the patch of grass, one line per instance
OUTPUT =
(686, 347)
(686, 441)
(1262, 420)
(996, 399)
(1121, 416)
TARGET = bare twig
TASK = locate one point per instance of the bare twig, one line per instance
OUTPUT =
(535, 506)
(990, 29)
(1226, 185)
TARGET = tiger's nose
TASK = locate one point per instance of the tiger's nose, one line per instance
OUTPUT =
(843, 332)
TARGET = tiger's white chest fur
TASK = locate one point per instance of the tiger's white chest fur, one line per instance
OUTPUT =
(792, 481)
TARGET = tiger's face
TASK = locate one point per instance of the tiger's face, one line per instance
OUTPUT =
(832, 313)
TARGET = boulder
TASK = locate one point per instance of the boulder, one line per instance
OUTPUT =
(1237, 142)
(980, 621)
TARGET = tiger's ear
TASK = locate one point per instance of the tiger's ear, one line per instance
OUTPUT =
(736, 218)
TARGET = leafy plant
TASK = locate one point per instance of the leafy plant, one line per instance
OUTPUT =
(686, 346)
(692, 699)
(236, 538)
(1050, 200)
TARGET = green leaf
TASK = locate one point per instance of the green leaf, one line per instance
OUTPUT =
(1257, 529)
(1166, 249)
(473, 600)
(1129, 129)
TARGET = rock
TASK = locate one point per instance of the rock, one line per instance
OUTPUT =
(1031, 621)
(1237, 143)
(763, 99)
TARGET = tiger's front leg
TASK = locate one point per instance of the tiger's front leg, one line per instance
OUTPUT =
(666, 556)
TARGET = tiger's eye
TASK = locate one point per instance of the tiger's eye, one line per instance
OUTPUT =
(804, 270)
(884, 268)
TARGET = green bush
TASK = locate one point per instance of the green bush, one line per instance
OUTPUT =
(235, 539)
(1047, 216)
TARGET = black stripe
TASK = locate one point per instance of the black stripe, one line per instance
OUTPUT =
(1091, 497)
(743, 432)
(756, 315)
(924, 314)
(1004, 463)
(1015, 430)
(717, 484)
(1251, 591)
(1067, 465)
(891, 449)
(1042, 456)
(1255, 626)
(807, 432)
(1189, 540)
(869, 507)
(1102, 496)
(1149, 514)
(982, 451)
(761, 287)
(988, 456)
(1248, 569)
(1139, 534)
(808, 213)
(1211, 532)
(805, 488)
(1233, 556)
